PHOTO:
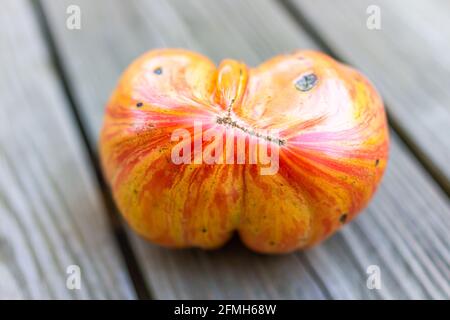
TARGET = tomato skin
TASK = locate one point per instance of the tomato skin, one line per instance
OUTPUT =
(333, 149)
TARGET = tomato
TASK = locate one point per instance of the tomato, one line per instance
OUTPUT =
(283, 154)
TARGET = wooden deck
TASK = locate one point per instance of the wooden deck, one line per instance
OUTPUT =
(55, 208)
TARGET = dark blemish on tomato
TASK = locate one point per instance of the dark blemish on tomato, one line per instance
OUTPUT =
(343, 218)
(158, 70)
(377, 162)
(139, 104)
(306, 82)
(272, 243)
(204, 230)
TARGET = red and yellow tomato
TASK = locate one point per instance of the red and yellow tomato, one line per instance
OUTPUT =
(332, 149)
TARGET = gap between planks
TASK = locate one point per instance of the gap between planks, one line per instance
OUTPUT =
(117, 227)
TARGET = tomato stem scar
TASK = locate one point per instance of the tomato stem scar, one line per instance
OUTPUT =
(226, 120)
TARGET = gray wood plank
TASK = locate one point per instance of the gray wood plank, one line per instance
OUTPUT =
(51, 211)
(413, 257)
(406, 59)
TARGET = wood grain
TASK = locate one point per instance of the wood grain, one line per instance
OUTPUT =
(405, 231)
(406, 59)
(51, 213)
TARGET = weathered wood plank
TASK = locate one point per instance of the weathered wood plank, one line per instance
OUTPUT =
(406, 59)
(404, 231)
(51, 213)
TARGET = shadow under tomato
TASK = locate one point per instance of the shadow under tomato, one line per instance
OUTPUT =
(231, 272)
